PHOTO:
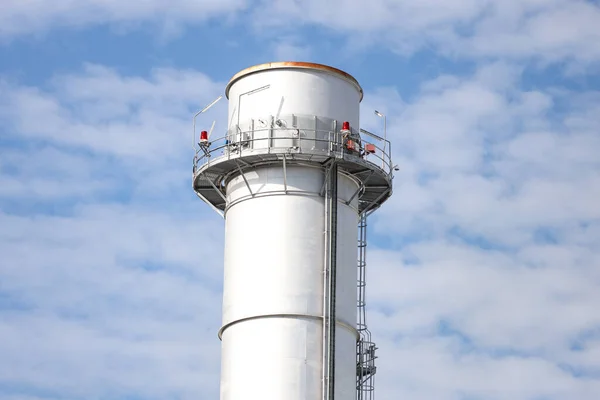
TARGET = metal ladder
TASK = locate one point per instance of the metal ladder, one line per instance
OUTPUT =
(365, 347)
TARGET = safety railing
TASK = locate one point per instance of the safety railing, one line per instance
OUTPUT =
(274, 139)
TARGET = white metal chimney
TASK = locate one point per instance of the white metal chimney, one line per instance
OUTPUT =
(294, 178)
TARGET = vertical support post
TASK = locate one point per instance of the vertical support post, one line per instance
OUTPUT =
(333, 184)
(251, 144)
(335, 133)
(324, 338)
(270, 141)
(329, 326)
(284, 175)
(384, 141)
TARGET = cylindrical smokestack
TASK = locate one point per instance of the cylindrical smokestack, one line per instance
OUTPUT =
(289, 123)
(275, 248)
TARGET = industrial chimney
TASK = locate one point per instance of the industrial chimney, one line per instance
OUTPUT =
(295, 179)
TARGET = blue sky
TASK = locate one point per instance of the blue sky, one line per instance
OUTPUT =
(484, 276)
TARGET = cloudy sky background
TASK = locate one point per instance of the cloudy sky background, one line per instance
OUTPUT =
(484, 268)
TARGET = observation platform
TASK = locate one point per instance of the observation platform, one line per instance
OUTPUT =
(294, 140)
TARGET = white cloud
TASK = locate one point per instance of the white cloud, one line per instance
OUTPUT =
(503, 147)
(112, 272)
(289, 49)
(21, 17)
(83, 313)
(555, 29)
(110, 283)
(491, 288)
(101, 111)
(546, 31)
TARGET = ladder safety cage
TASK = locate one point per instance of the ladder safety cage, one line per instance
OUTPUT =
(365, 347)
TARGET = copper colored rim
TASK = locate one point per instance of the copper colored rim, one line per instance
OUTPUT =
(291, 65)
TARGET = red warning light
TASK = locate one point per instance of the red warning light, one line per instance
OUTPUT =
(346, 126)
(203, 136)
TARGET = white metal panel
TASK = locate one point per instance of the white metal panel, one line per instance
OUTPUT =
(274, 259)
(308, 180)
(345, 365)
(346, 294)
(275, 247)
(293, 91)
(274, 359)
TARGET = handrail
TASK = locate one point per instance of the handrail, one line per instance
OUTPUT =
(243, 141)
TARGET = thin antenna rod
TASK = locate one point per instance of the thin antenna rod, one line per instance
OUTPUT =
(211, 128)
(198, 113)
